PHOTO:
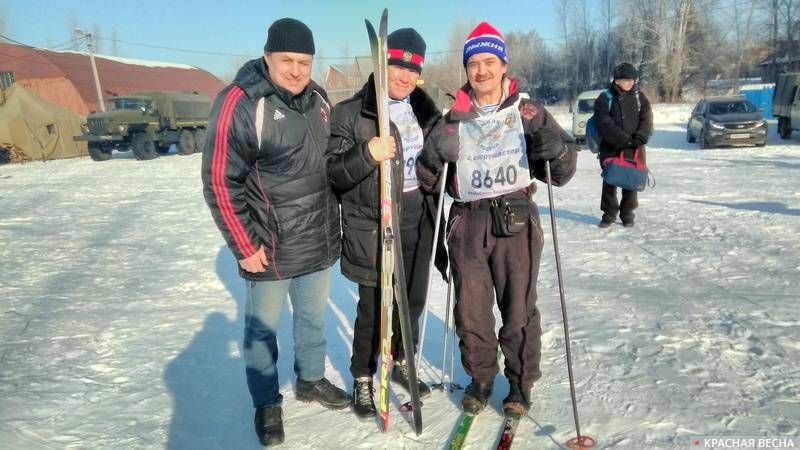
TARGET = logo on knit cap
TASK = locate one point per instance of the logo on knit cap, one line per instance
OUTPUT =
(407, 56)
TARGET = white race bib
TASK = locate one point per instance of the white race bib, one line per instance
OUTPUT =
(492, 159)
(411, 134)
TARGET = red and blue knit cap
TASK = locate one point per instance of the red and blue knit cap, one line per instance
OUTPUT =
(485, 39)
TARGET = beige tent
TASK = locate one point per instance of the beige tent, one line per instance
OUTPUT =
(32, 128)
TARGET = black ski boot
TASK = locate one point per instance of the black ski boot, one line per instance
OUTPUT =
(269, 425)
(364, 398)
(518, 401)
(476, 396)
(400, 376)
(322, 391)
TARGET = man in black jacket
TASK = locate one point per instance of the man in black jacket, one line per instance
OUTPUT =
(354, 153)
(265, 182)
(624, 127)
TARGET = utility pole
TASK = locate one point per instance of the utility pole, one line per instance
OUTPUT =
(89, 40)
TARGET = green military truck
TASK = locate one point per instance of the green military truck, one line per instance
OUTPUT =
(786, 104)
(148, 123)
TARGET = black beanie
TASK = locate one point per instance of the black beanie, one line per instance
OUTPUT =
(289, 35)
(406, 49)
(625, 71)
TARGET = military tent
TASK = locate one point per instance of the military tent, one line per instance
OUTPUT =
(32, 128)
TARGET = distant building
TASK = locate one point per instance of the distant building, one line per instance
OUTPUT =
(65, 78)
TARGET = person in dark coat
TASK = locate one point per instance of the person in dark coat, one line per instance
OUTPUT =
(496, 143)
(624, 127)
(354, 154)
(265, 182)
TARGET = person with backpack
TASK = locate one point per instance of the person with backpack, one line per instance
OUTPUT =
(624, 122)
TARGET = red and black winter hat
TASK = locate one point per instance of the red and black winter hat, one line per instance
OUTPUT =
(406, 49)
(485, 39)
(289, 35)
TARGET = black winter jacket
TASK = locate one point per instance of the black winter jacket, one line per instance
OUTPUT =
(273, 193)
(627, 118)
(355, 177)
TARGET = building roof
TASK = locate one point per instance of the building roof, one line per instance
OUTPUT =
(33, 67)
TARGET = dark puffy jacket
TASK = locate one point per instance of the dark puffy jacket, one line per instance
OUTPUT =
(627, 118)
(273, 193)
(355, 177)
(534, 117)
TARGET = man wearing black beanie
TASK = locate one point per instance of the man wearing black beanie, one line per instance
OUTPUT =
(265, 183)
(624, 122)
(354, 154)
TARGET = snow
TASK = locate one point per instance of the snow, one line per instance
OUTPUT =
(137, 62)
(121, 312)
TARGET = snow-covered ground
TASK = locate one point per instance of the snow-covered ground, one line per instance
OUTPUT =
(121, 311)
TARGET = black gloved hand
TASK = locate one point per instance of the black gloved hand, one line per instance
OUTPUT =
(628, 153)
(637, 141)
(546, 144)
(446, 142)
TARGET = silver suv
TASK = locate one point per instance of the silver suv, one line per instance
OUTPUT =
(718, 121)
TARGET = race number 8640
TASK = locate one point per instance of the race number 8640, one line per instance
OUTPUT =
(502, 176)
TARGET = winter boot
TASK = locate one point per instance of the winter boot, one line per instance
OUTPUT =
(518, 401)
(476, 396)
(269, 425)
(364, 398)
(400, 376)
(322, 391)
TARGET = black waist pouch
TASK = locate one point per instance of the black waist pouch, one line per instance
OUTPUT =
(510, 215)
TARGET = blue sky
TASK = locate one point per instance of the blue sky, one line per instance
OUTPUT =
(239, 27)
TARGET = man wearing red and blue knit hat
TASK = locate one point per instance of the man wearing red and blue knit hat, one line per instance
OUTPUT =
(496, 143)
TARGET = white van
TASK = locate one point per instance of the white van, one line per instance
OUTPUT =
(582, 109)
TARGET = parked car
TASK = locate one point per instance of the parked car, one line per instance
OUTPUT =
(582, 109)
(718, 121)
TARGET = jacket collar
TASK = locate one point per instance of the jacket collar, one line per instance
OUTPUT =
(463, 108)
(421, 103)
(253, 78)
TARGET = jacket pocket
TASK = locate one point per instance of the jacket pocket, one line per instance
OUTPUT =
(360, 242)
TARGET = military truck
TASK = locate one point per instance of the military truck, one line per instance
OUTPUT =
(786, 104)
(148, 123)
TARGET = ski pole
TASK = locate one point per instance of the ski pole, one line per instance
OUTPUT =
(432, 262)
(446, 334)
(580, 442)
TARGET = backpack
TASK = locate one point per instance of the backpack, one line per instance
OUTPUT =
(593, 138)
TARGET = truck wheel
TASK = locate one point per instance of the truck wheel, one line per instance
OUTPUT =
(783, 128)
(186, 143)
(200, 140)
(98, 153)
(143, 146)
(689, 137)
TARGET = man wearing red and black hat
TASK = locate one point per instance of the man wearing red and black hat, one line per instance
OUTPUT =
(265, 183)
(353, 155)
(496, 143)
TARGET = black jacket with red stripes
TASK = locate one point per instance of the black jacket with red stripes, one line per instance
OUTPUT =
(273, 193)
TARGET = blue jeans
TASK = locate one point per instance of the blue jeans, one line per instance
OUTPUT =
(265, 299)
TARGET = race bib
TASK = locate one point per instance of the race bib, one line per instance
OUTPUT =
(492, 159)
(411, 135)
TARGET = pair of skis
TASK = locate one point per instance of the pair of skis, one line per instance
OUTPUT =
(509, 430)
(392, 276)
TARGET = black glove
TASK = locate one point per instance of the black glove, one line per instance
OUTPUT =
(546, 144)
(446, 142)
(637, 141)
(628, 153)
